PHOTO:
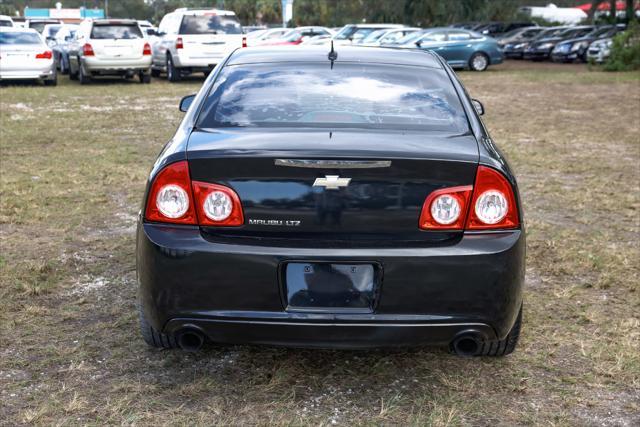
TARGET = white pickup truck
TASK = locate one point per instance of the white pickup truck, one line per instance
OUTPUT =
(194, 40)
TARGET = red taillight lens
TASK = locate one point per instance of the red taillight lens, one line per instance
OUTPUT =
(490, 205)
(446, 209)
(174, 198)
(179, 44)
(45, 55)
(170, 198)
(244, 41)
(146, 50)
(87, 50)
(493, 205)
(217, 205)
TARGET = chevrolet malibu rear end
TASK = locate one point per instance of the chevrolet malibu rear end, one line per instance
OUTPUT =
(344, 199)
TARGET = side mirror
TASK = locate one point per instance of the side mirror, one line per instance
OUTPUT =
(185, 103)
(419, 43)
(478, 106)
(151, 32)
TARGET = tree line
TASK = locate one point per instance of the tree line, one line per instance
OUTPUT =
(332, 13)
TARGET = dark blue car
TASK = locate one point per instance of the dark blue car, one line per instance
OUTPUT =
(460, 48)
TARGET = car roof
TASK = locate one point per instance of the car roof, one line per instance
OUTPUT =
(18, 30)
(115, 21)
(202, 11)
(361, 54)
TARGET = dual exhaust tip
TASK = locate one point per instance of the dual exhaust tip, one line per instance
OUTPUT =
(468, 343)
(190, 339)
(465, 344)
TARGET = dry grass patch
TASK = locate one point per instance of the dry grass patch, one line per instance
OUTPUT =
(73, 162)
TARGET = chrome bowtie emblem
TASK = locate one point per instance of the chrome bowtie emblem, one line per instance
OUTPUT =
(331, 182)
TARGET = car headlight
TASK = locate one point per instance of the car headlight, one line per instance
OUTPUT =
(520, 46)
(580, 45)
(545, 46)
(561, 48)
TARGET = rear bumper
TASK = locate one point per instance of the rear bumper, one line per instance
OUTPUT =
(234, 294)
(95, 64)
(41, 72)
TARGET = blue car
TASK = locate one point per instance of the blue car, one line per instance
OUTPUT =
(460, 48)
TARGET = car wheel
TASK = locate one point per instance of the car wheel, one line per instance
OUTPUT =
(479, 61)
(53, 81)
(64, 69)
(84, 79)
(152, 337)
(73, 75)
(144, 77)
(173, 74)
(508, 344)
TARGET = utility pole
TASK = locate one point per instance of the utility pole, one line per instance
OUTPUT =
(106, 8)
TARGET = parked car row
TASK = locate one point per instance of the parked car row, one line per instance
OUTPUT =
(559, 44)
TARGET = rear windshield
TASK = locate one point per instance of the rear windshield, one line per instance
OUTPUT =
(116, 31)
(19, 38)
(210, 24)
(347, 96)
(5, 23)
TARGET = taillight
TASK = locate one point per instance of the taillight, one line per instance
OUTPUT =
(488, 205)
(170, 198)
(45, 55)
(217, 205)
(446, 209)
(244, 41)
(179, 44)
(146, 50)
(493, 205)
(87, 50)
(173, 198)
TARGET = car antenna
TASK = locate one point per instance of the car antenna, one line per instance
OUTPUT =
(333, 55)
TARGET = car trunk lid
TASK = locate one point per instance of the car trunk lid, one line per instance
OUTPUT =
(321, 186)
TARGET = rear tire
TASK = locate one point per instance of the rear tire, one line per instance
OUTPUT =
(84, 79)
(173, 73)
(53, 81)
(479, 62)
(73, 75)
(144, 77)
(506, 346)
(152, 337)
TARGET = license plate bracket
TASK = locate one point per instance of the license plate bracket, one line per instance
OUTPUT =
(330, 287)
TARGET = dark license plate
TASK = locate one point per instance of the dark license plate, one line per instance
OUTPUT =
(330, 287)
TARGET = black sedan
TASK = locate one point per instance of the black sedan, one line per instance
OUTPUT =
(576, 49)
(514, 49)
(541, 48)
(341, 199)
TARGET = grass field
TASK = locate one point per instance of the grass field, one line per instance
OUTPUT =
(73, 163)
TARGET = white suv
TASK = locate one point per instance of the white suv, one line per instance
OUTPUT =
(109, 47)
(192, 40)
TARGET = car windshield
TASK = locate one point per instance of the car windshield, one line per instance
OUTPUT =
(345, 32)
(374, 36)
(346, 96)
(38, 26)
(51, 30)
(210, 24)
(19, 38)
(599, 32)
(116, 31)
(410, 37)
(5, 23)
(292, 36)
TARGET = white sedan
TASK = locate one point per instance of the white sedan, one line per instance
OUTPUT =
(24, 55)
